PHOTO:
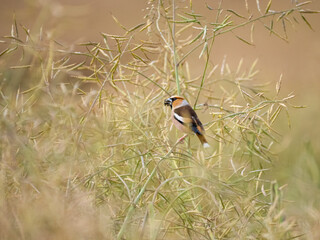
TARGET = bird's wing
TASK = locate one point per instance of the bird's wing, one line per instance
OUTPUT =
(187, 116)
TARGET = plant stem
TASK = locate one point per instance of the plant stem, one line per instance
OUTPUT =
(233, 28)
(205, 70)
(136, 200)
(176, 65)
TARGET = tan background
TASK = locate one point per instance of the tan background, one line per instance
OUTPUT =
(76, 21)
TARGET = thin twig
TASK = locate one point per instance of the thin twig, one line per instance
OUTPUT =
(136, 200)
(176, 66)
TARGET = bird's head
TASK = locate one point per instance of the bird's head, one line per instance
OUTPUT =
(174, 101)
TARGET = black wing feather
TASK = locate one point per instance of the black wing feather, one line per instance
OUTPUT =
(187, 112)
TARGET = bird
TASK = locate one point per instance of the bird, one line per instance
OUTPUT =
(185, 118)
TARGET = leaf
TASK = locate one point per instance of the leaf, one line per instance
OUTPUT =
(187, 20)
(300, 106)
(235, 13)
(251, 32)
(281, 16)
(271, 27)
(247, 6)
(258, 5)
(268, 7)
(196, 38)
(14, 38)
(303, 3)
(138, 57)
(210, 8)
(76, 66)
(226, 19)
(193, 14)
(117, 21)
(21, 67)
(239, 66)
(275, 33)
(146, 26)
(309, 11)
(275, 114)
(203, 49)
(306, 21)
(27, 31)
(15, 25)
(89, 44)
(289, 12)
(204, 32)
(136, 27)
(8, 50)
(245, 41)
(278, 85)
(284, 27)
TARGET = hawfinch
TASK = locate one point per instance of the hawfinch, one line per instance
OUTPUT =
(185, 118)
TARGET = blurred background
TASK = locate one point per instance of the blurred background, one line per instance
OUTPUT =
(71, 22)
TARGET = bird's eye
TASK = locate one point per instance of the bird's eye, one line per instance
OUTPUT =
(173, 99)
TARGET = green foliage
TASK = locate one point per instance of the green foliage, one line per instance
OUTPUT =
(86, 139)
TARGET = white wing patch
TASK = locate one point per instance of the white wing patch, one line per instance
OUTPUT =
(177, 116)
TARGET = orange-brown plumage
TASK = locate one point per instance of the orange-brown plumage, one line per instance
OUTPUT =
(185, 118)
(177, 102)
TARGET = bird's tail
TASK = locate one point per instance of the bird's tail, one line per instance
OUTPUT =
(203, 141)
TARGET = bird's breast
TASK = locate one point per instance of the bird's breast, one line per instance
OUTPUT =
(182, 127)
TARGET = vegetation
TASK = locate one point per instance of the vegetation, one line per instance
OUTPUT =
(88, 149)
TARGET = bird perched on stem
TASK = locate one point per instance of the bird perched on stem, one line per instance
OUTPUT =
(185, 118)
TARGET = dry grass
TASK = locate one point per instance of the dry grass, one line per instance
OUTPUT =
(88, 151)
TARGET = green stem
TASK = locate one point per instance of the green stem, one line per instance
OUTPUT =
(176, 65)
(136, 200)
(233, 28)
(205, 70)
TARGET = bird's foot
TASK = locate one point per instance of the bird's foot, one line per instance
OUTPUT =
(182, 138)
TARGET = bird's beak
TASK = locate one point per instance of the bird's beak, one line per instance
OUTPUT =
(168, 102)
